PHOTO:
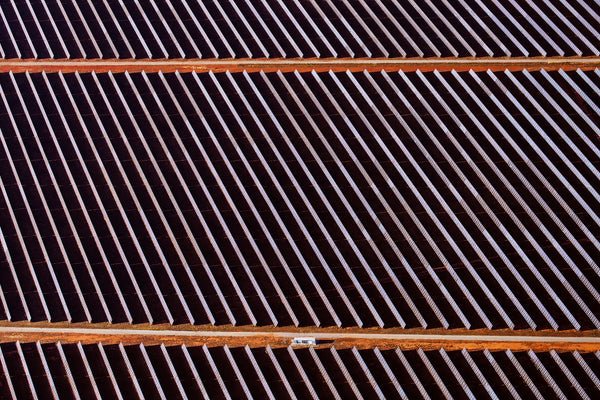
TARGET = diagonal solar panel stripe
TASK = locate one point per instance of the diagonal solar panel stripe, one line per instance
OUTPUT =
(55, 370)
(333, 199)
(299, 28)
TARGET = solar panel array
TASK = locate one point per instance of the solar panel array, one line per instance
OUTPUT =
(383, 199)
(298, 28)
(56, 370)
(335, 199)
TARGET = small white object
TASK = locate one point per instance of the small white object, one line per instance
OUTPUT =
(304, 340)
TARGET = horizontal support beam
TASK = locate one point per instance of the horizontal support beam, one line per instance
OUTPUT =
(305, 64)
(281, 338)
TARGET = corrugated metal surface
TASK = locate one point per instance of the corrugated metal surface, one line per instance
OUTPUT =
(117, 371)
(383, 199)
(298, 28)
(391, 199)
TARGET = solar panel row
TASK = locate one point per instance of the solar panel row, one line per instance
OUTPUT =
(299, 28)
(349, 199)
(116, 371)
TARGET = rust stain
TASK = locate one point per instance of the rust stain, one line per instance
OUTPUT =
(301, 65)
(274, 341)
(277, 342)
